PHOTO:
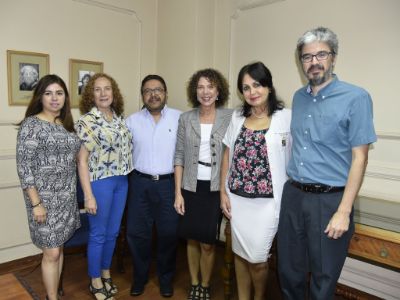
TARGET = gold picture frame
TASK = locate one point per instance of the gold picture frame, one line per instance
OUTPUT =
(79, 72)
(24, 70)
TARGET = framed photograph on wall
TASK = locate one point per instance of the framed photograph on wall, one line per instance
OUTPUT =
(80, 72)
(24, 69)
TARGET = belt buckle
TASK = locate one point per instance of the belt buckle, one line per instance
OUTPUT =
(155, 177)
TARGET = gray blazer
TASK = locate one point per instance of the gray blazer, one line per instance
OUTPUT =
(188, 146)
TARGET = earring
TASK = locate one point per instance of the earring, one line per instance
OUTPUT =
(216, 99)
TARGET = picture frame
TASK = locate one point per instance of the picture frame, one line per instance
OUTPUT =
(80, 72)
(24, 70)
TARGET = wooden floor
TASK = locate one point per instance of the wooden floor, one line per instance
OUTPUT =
(11, 288)
(76, 280)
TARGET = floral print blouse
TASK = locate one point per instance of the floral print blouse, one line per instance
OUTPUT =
(250, 174)
(109, 144)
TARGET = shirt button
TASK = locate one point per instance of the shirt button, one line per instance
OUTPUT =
(309, 116)
(302, 179)
(212, 145)
(301, 164)
(315, 100)
(305, 148)
(323, 97)
(214, 154)
(306, 132)
(214, 163)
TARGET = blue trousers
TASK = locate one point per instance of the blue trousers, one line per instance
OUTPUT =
(152, 202)
(304, 248)
(110, 194)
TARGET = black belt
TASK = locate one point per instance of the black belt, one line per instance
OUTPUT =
(154, 177)
(204, 163)
(316, 188)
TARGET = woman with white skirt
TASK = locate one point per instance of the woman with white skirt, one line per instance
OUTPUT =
(252, 176)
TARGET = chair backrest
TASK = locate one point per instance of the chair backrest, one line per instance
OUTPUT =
(80, 236)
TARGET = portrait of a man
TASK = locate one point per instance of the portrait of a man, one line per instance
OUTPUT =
(28, 76)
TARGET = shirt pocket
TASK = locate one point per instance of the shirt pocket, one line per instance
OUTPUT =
(324, 129)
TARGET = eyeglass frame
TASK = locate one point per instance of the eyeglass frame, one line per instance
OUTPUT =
(316, 56)
(157, 91)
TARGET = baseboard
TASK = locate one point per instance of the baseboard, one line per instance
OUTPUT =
(21, 264)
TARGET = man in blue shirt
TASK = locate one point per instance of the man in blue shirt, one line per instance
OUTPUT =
(152, 188)
(332, 128)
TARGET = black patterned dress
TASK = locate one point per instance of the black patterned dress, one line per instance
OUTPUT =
(46, 160)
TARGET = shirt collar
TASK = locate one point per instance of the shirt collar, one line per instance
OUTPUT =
(163, 111)
(98, 114)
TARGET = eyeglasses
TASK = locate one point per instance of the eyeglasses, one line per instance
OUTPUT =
(158, 91)
(321, 55)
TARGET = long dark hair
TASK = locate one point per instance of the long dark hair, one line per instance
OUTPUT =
(259, 72)
(35, 105)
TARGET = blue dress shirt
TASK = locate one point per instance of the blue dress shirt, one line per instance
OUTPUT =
(325, 128)
(154, 143)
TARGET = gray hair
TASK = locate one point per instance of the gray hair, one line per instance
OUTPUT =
(319, 34)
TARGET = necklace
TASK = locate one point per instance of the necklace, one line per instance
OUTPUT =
(260, 116)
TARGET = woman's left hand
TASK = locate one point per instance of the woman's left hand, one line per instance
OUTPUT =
(179, 204)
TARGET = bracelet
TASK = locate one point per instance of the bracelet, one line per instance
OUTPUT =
(37, 204)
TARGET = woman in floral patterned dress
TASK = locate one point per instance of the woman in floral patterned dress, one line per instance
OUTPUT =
(252, 176)
(47, 147)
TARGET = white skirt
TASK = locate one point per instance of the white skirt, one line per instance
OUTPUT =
(253, 226)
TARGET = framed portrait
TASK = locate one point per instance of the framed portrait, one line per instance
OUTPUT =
(24, 69)
(80, 72)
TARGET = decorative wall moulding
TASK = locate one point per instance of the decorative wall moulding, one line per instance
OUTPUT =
(6, 154)
(382, 170)
(249, 4)
(389, 135)
(9, 185)
(8, 123)
(114, 8)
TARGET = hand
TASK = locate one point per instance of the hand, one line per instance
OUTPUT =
(91, 205)
(338, 224)
(179, 204)
(39, 213)
(225, 205)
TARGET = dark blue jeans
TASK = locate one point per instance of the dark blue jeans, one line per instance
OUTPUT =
(152, 202)
(304, 248)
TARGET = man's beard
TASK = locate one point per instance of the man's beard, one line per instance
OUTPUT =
(316, 81)
(155, 109)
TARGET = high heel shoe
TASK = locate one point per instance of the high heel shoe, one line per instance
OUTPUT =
(113, 290)
(102, 291)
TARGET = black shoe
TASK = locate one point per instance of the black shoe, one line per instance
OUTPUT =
(194, 292)
(101, 291)
(204, 293)
(137, 290)
(166, 290)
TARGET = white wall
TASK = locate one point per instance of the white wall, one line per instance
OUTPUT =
(121, 34)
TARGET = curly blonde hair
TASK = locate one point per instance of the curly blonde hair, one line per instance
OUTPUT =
(87, 101)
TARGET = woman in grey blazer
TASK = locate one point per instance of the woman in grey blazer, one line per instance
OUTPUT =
(198, 154)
